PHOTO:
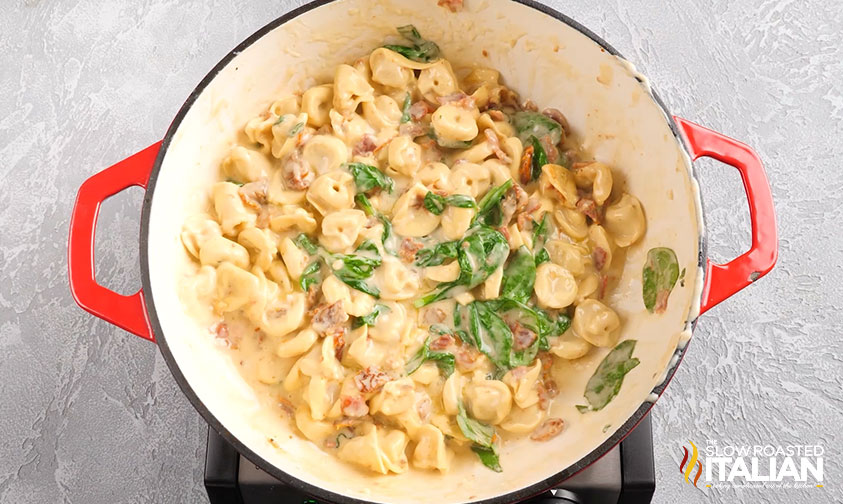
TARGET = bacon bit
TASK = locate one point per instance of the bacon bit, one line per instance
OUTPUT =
(370, 380)
(354, 406)
(547, 360)
(339, 341)
(253, 194)
(286, 406)
(505, 232)
(550, 387)
(297, 173)
(452, 5)
(262, 220)
(221, 330)
(327, 317)
(495, 144)
(365, 146)
(467, 359)
(513, 202)
(519, 372)
(460, 99)
(312, 296)
(522, 337)
(409, 247)
(599, 255)
(525, 170)
(424, 408)
(559, 117)
(434, 316)
(531, 106)
(442, 342)
(525, 221)
(588, 207)
(496, 115)
(549, 149)
(550, 428)
(420, 109)
(410, 129)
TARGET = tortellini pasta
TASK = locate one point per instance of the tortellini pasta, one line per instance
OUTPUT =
(388, 265)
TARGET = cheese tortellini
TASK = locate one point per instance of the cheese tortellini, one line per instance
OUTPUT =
(389, 270)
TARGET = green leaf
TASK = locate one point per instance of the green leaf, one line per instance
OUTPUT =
(444, 360)
(540, 232)
(659, 276)
(533, 124)
(607, 379)
(542, 257)
(405, 109)
(422, 50)
(366, 205)
(438, 254)
(489, 333)
(303, 242)
(489, 207)
(476, 431)
(232, 181)
(488, 456)
(519, 277)
(539, 159)
(367, 177)
(434, 203)
(460, 201)
(282, 118)
(310, 276)
(417, 359)
(371, 318)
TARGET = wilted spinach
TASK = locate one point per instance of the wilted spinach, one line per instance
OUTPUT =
(405, 109)
(489, 208)
(367, 177)
(370, 318)
(483, 436)
(519, 277)
(607, 379)
(422, 50)
(436, 204)
(366, 205)
(444, 360)
(438, 254)
(533, 124)
(659, 276)
(310, 276)
(355, 269)
(539, 159)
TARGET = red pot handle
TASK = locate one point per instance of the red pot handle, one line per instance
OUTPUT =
(723, 280)
(126, 312)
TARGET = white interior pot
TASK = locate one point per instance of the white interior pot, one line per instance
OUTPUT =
(544, 57)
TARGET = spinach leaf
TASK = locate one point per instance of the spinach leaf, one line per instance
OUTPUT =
(539, 159)
(310, 276)
(542, 257)
(540, 233)
(422, 50)
(479, 254)
(519, 277)
(533, 124)
(295, 129)
(607, 379)
(446, 362)
(438, 254)
(367, 177)
(489, 208)
(436, 204)
(483, 436)
(659, 276)
(489, 333)
(405, 109)
(371, 318)
(488, 456)
(366, 205)
(303, 242)
(449, 144)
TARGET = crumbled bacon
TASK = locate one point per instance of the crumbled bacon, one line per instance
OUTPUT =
(452, 5)
(286, 405)
(519, 372)
(496, 115)
(550, 428)
(221, 331)
(424, 408)
(370, 379)
(312, 295)
(420, 109)
(522, 337)
(327, 317)
(411, 130)
(338, 335)
(467, 359)
(354, 406)
(604, 282)
(407, 250)
(494, 142)
(559, 117)
(434, 316)
(547, 360)
(549, 149)
(531, 106)
(600, 256)
(297, 172)
(525, 221)
(442, 342)
(525, 169)
(514, 201)
(460, 99)
(253, 194)
(262, 220)
(589, 207)
(365, 146)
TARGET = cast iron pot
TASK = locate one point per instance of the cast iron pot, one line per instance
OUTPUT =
(543, 55)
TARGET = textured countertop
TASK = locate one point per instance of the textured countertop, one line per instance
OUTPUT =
(90, 414)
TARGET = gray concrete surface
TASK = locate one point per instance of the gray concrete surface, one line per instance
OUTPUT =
(89, 414)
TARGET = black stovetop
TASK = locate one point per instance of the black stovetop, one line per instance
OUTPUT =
(625, 475)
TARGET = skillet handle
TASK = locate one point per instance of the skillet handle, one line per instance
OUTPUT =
(724, 280)
(126, 312)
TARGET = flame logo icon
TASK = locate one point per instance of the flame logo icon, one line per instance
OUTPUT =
(686, 469)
